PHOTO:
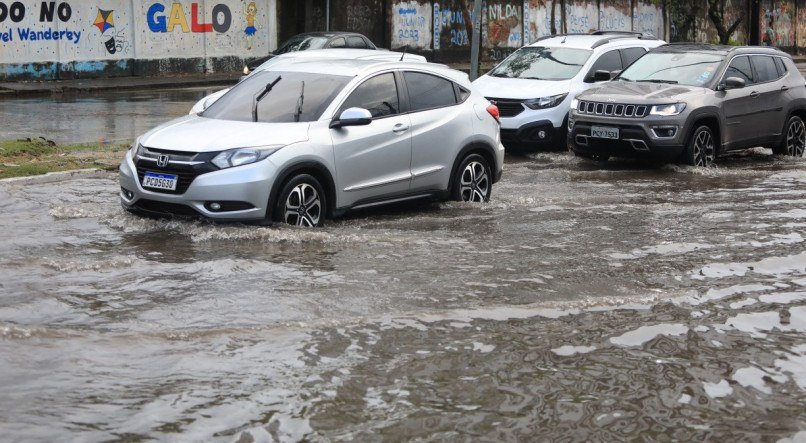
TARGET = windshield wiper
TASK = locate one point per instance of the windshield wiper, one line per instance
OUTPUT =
(263, 94)
(499, 74)
(655, 80)
(299, 102)
(625, 79)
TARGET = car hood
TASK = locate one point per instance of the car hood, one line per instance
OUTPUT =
(200, 134)
(516, 88)
(640, 92)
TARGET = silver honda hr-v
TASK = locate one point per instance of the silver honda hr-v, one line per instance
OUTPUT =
(313, 139)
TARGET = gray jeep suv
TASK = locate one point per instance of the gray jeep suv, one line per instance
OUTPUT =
(693, 102)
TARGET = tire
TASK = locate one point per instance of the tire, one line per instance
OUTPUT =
(794, 138)
(701, 147)
(473, 180)
(301, 202)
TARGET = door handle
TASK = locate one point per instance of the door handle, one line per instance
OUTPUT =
(400, 127)
(784, 88)
(754, 94)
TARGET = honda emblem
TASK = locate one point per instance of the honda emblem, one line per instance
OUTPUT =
(162, 161)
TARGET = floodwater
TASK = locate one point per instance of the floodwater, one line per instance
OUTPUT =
(581, 303)
(103, 116)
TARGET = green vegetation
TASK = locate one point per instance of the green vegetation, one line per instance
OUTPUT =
(36, 156)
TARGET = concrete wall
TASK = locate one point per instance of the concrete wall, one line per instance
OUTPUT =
(80, 38)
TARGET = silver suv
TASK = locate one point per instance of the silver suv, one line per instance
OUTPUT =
(693, 102)
(312, 139)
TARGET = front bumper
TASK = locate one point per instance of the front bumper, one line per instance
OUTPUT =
(539, 134)
(637, 138)
(242, 192)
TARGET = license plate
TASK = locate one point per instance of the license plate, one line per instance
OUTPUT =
(604, 132)
(160, 181)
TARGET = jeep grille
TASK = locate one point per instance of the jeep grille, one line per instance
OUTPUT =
(612, 109)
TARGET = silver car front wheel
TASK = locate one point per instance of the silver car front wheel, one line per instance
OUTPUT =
(301, 202)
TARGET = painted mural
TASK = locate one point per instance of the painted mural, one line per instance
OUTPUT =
(801, 24)
(581, 16)
(776, 27)
(502, 24)
(411, 25)
(97, 32)
(537, 19)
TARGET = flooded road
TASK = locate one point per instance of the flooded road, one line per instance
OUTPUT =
(102, 116)
(580, 303)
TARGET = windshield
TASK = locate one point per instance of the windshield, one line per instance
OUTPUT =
(685, 68)
(302, 43)
(282, 103)
(541, 63)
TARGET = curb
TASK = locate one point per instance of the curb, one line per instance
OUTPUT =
(52, 177)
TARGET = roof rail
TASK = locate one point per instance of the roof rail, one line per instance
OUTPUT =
(608, 36)
(634, 34)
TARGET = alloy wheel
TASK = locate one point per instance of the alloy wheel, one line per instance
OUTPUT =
(796, 138)
(303, 207)
(703, 153)
(474, 183)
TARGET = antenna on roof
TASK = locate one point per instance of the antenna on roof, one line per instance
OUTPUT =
(405, 48)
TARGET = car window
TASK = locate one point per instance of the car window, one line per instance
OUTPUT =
(314, 92)
(765, 68)
(780, 65)
(542, 63)
(462, 93)
(338, 43)
(740, 67)
(356, 42)
(629, 55)
(301, 42)
(609, 61)
(378, 95)
(428, 91)
(685, 68)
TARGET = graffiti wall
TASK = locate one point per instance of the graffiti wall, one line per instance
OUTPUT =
(777, 23)
(800, 29)
(615, 15)
(647, 17)
(450, 21)
(42, 39)
(581, 16)
(502, 24)
(411, 25)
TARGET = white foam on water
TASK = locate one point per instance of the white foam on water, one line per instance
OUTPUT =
(798, 437)
(645, 334)
(775, 266)
(718, 390)
(717, 294)
(783, 297)
(569, 350)
(794, 364)
(481, 347)
(742, 303)
(752, 377)
(668, 248)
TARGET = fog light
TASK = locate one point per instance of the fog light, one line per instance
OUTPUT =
(215, 206)
(541, 134)
(126, 193)
(664, 131)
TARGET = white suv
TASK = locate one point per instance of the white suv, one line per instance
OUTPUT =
(534, 86)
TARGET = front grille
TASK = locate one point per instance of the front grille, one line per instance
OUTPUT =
(612, 109)
(185, 165)
(507, 107)
(166, 208)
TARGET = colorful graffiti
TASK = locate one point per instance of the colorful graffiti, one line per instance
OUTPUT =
(503, 25)
(776, 23)
(411, 23)
(801, 24)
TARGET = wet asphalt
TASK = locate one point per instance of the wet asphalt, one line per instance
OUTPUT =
(583, 302)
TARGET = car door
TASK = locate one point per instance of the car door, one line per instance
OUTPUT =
(438, 127)
(769, 87)
(740, 106)
(374, 160)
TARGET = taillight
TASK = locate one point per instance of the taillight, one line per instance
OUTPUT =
(493, 110)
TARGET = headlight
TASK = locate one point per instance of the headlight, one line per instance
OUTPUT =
(574, 103)
(667, 110)
(545, 102)
(243, 156)
(137, 149)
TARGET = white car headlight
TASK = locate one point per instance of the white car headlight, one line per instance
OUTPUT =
(243, 156)
(545, 102)
(667, 110)
(574, 103)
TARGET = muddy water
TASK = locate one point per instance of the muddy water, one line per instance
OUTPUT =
(103, 116)
(580, 303)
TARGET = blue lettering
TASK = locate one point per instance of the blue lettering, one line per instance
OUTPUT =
(156, 24)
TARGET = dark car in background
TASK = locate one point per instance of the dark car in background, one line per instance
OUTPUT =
(315, 40)
(693, 102)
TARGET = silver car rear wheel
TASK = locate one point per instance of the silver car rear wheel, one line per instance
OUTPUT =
(473, 181)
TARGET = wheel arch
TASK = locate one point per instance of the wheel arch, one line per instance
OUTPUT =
(314, 168)
(476, 147)
(712, 121)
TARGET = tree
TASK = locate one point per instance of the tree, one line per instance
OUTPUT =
(683, 14)
(716, 12)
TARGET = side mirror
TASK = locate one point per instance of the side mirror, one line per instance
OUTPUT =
(600, 75)
(734, 83)
(352, 117)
